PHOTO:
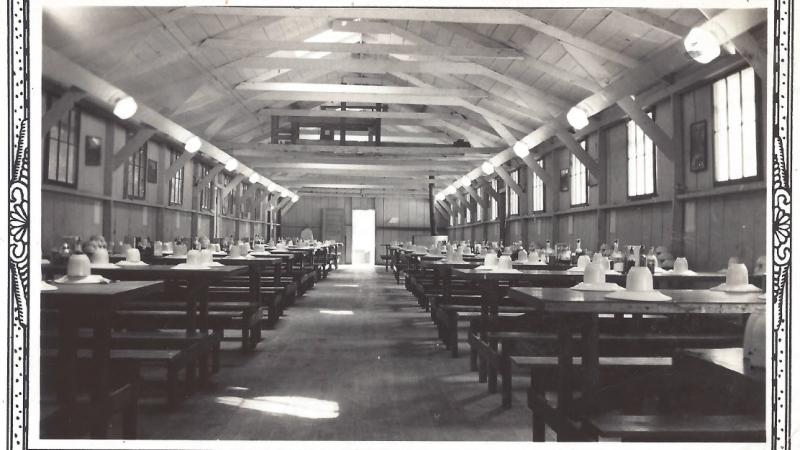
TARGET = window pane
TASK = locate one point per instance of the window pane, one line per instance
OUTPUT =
(749, 149)
(720, 131)
(734, 127)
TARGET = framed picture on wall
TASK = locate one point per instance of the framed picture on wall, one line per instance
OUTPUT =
(698, 158)
(93, 154)
(564, 180)
(152, 171)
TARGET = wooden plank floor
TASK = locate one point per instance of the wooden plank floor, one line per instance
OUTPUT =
(378, 374)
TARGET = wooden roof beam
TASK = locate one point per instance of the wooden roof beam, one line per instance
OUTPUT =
(509, 181)
(488, 186)
(358, 89)
(359, 48)
(131, 146)
(60, 108)
(232, 184)
(575, 148)
(465, 15)
(178, 164)
(662, 140)
(474, 194)
(549, 180)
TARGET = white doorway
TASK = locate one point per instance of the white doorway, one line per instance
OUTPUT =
(363, 249)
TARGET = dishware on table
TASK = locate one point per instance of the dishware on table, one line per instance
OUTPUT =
(639, 287)
(158, 248)
(132, 258)
(79, 272)
(522, 256)
(736, 280)
(503, 263)
(594, 279)
(100, 259)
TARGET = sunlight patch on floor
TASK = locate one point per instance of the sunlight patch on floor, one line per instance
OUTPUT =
(336, 312)
(303, 407)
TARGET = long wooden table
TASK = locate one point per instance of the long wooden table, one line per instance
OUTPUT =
(198, 281)
(578, 311)
(93, 305)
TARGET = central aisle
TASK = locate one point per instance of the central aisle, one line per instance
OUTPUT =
(353, 359)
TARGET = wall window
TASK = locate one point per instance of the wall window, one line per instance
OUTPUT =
(735, 144)
(478, 207)
(641, 162)
(136, 173)
(199, 171)
(227, 202)
(176, 182)
(61, 149)
(538, 190)
(578, 189)
(513, 198)
(468, 214)
(452, 220)
(493, 211)
(458, 218)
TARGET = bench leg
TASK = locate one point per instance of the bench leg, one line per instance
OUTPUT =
(202, 364)
(452, 329)
(130, 416)
(481, 369)
(245, 335)
(191, 383)
(216, 351)
(492, 369)
(505, 373)
(172, 386)
(536, 422)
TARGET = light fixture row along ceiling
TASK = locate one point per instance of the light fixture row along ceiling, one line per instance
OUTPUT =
(700, 44)
(125, 108)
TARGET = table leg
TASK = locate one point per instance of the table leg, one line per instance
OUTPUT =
(590, 359)
(564, 390)
(191, 306)
(67, 360)
(101, 361)
(492, 296)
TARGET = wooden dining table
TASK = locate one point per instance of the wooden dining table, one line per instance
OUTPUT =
(89, 305)
(578, 312)
(197, 280)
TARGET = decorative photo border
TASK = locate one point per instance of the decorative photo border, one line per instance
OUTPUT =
(19, 206)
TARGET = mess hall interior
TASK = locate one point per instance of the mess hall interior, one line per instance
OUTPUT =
(403, 224)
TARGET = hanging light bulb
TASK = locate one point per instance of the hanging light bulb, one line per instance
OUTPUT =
(231, 165)
(465, 181)
(521, 149)
(577, 118)
(701, 45)
(295, 198)
(440, 196)
(192, 144)
(450, 190)
(254, 178)
(125, 107)
(272, 187)
(487, 168)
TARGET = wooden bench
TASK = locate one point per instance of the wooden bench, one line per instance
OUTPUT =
(679, 428)
(174, 360)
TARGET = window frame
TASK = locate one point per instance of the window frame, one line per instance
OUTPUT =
(573, 159)
(200, 170)
(652, 116)
(494, 210)
(478, 207)
(143, 153)
(178, 177)
(74, 112)
(533, 189)
(758, 131)
(512, 194)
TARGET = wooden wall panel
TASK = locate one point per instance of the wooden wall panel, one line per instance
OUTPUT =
(66, 215)
(179, 224)
(90, 178)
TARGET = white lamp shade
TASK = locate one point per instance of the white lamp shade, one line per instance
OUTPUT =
(521, 149)
(701, 45)
(192, 144)
(440, 196)
(466, 182)
(231, 165)
(487, 168)
(577, 118)
(254, 178)
(295, 198)
(272, 187)
(125, 108)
